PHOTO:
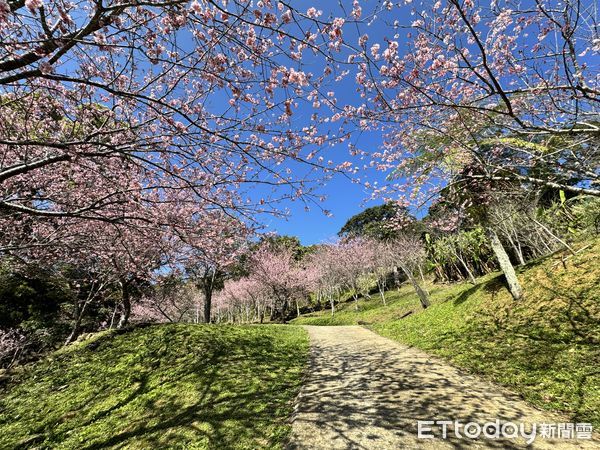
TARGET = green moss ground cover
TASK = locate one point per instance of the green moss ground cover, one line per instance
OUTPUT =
(166, 386)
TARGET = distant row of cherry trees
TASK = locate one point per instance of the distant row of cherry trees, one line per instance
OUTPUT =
(384, 246)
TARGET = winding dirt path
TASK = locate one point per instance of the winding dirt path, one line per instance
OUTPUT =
(367, 392)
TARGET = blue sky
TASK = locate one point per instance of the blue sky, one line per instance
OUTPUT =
(344, 198)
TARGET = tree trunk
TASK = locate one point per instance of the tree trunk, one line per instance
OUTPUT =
(125, 304)
(517, 250)
(423, 297)
(208, 287)
(280, 309)
(80, 310)
(396, 278)
(77, 325)
(355, 296)
(207, 303)
(469, 273)
(112, 319)
(381, 286)
(505, 265)
(284, 310)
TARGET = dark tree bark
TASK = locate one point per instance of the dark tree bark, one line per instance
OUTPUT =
(208, 291)
(281, 308)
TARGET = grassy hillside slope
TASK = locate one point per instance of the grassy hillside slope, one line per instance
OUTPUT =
(167, 386)
(545, 347)
(373, 311)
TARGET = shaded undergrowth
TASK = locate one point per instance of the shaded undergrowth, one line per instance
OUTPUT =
(167, 386)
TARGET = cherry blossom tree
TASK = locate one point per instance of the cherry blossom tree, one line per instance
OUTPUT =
(350, 265)
(486, 94)
(171, 299)
(114, 255)
(476, 205)
(408, 253)
(279, 272)
(130, 131)
(381, 264)
(111, 104)
(276, 278)
(245, 299)
(279, 275)
(355, 264)
(209, 247)
(501, 91)
(327, 277)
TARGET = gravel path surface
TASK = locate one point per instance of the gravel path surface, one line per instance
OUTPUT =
(367, 392)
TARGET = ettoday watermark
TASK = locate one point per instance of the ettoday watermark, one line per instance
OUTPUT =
(444, 429)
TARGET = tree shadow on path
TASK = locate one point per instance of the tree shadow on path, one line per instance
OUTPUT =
(366, 392)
